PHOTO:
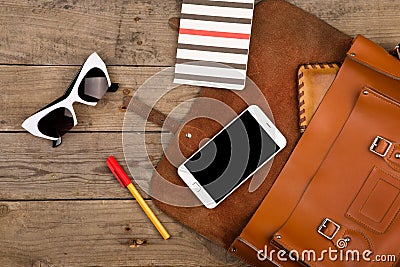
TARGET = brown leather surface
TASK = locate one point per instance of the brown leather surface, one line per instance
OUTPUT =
(332, 174)
(283, 37)
(314, 81)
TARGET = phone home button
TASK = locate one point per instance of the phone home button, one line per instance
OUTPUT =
(196, 187)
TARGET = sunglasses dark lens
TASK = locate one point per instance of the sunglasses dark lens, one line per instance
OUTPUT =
(56, 123)
(93, 86)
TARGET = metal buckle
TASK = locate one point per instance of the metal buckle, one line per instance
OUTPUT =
(375, 144)
(323, 225)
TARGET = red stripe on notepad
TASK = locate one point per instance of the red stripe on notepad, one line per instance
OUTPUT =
(215, 34)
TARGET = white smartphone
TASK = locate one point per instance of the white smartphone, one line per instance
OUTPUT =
(232, 156)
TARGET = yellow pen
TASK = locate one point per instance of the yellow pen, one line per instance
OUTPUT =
(124, 180)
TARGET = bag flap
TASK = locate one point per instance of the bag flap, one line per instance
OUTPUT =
(373, 56)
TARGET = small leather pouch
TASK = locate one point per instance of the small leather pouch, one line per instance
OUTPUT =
(313, 81)
(353, 200)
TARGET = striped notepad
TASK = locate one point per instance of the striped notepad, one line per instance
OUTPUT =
(213, 43)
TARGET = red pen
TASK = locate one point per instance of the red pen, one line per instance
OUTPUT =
(124, 180)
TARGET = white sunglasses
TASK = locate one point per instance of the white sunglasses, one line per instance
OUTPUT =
(88, 87)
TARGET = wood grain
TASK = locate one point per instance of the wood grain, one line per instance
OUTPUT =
(373, 19)
(29, 88)
(98, 233)
(63, 32)
(31, 169)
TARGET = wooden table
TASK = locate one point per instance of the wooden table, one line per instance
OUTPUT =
(62, 207)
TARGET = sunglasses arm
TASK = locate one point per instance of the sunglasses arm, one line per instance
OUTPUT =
(57, 142)
(113, 87)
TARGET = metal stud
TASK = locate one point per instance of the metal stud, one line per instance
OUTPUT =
(352, 54)
(397, 156)
(278, 236)
(365, 92)
(347, 239)
(188, 135)
(234, 250)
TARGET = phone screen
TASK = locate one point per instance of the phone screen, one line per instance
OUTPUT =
(231, 156)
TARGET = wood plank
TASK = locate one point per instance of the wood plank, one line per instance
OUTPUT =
(376, 20)
(32, 169)
(137, 32)
(65, 32)
(30, 88)
(98, 233)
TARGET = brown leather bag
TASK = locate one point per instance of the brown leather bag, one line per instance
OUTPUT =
(340, 188)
